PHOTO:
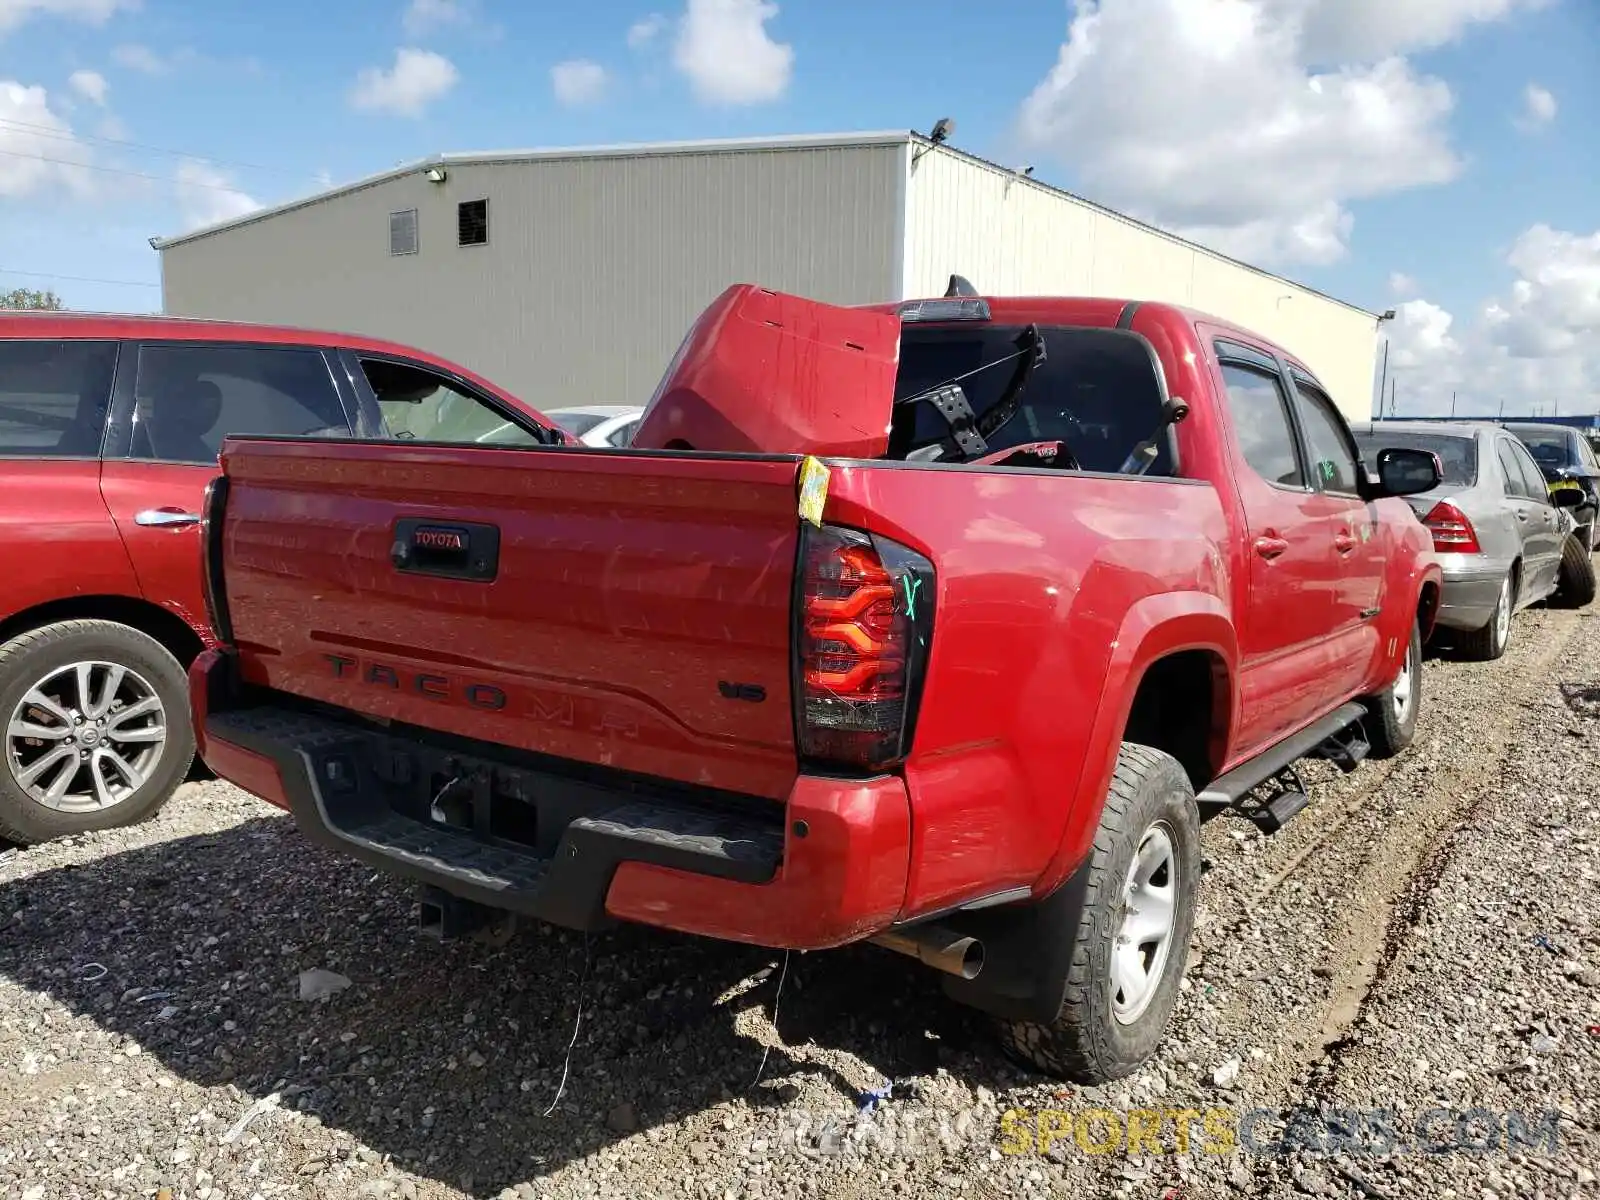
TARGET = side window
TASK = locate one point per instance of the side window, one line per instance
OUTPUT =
(622, 435)
(1333, 463)
(1510, 471)
(187, 398)
(1260, 414)
(1533, 480)
(53, 397)
(423, 405)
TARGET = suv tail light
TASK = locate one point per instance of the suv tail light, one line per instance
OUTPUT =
(216, 503)
(864, 624)
(1452, 532)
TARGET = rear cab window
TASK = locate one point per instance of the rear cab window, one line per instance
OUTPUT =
(1458, 456)
(54, 396)
(1097, 391)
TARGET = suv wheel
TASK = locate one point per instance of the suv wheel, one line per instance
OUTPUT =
(97, 730)
(1130, 938)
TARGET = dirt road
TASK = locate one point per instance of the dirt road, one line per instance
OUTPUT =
(1395, 996)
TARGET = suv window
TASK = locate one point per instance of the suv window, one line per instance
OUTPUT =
(423, 405)
(1260, 413)
(54, 396)
(1550, 450)
(187, 398)
(1333, 463)
(1097, 391)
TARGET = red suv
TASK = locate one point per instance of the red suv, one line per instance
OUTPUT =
(109, 432)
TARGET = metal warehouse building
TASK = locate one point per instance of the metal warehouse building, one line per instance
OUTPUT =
(570, 276)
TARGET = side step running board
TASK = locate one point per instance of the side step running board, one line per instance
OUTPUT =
(1229, 789)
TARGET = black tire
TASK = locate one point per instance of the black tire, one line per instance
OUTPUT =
(1391, 726)
(32, 658)
(1087, 1043)
(1487, 644)
(1575, 581)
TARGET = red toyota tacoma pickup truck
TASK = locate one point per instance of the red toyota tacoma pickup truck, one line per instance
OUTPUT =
(938, 624)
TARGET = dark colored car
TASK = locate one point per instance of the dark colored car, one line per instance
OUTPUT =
(1564, 454)
(109, 432)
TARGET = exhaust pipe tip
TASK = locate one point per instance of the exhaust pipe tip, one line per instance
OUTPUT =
(936, 947)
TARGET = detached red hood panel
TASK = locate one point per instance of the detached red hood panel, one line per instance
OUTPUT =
(766, 372)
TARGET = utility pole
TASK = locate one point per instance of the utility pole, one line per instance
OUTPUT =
(1393, 386)
(1452, 404)
(1384, 378)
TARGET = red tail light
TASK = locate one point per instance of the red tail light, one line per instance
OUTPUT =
(1452, 532)
(865, 622)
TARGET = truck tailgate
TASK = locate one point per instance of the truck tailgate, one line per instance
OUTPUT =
(626, 610)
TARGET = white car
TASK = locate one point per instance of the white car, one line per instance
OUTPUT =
(599, 424)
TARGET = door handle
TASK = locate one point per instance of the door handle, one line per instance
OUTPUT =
(1343, 543)
(1270, 547)
(166, 518)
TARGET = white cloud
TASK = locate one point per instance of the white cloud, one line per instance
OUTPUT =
(417, 79)
(207, 196)
(1209, 117)
(1538, 107)
(1367, 30)
(38, 151)
(646, 30)
(724, 50)
(1401, 285)
(1538, 343)
(140, 58)
(94, 12)
(424, 16)
(91, 85)
(578, 81)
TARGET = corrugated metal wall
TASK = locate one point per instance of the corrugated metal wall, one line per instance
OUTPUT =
(595, 265)
(1011, 236)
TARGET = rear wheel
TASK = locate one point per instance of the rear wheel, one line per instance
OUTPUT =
(1575, 586)
(1130, 938)
(1392, 713)
(1489, 643)
(97, 730)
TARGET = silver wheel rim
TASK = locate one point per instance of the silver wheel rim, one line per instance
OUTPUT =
(1502, 614)
(1144, 938)
(1403, 688)
(86, 737)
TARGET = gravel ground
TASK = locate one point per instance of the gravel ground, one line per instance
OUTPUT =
(1423, 940)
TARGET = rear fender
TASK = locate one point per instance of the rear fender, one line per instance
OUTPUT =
(1154, 628)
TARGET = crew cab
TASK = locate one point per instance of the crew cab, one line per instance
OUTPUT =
(109, 432)
(938, 624)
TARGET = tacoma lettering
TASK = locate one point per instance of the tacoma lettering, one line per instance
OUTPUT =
(422, 683)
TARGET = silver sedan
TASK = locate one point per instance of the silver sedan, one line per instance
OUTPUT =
(1498, 532)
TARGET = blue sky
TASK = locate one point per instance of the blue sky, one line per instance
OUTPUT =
(1434, 155)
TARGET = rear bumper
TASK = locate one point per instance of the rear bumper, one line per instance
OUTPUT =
(570, 844)
(1470, 592)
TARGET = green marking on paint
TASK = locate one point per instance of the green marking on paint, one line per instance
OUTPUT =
(912, 586)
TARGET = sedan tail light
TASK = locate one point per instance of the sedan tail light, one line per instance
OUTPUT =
(1452, 531)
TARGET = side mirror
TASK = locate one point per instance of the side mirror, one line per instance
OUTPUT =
(1404, 472)
(1566, 497)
